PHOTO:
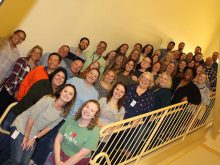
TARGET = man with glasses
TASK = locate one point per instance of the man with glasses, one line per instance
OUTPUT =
(9, 52)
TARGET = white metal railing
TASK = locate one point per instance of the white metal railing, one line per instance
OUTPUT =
(130, 139)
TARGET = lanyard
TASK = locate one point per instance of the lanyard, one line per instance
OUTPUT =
(93, 56)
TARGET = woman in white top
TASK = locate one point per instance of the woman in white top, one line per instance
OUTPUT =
(37, 121)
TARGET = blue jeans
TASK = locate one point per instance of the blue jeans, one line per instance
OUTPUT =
(5, 139)
(6, 126)
(45, 145)
(18, 156)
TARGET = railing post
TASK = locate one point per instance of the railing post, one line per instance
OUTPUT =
(151, 136)
(193, 120)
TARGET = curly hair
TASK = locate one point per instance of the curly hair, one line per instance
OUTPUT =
(94, 120)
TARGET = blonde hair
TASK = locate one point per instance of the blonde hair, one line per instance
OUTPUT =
(169, 83)
(151, 78)
(32, 49)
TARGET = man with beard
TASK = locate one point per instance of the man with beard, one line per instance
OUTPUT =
(96, 56)
(169, 48)
(198, 59)
(76, 53)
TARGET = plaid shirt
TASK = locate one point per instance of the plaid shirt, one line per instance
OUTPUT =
(20, 69)
(212, 75)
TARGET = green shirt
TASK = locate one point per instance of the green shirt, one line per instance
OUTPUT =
(92, 57)
(75, 138)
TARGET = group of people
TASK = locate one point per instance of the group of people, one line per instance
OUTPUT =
(64, 98)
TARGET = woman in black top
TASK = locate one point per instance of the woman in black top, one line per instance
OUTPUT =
(185, 90)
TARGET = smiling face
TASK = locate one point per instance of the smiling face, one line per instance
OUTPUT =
(145, 81)
(156, 67)
(148, 49)
(111, 55)
(202, 78)
(101, 47)
(170, 68)
(109, 77)
(146, 63)
(63, 51)
(89, 111)
(163, 80)
(53, 62)
(18, 38)
(119, 91)
(94, 65)
(124, 48)
(58, 79)
(182, 65)
(199, 69)
(188, 75)
(83, 44)
(76, 66)
(135, 54)
(67, 94)
(129, 66)
(119, 60)
(36, 54)
(92, 76)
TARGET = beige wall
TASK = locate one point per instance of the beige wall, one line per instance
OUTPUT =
(51, 23)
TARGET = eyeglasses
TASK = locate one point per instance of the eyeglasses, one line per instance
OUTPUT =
(20, 37)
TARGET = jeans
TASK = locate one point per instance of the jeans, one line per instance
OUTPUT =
(5, 139)
(45, 145)
(18, 156)
(6, 126)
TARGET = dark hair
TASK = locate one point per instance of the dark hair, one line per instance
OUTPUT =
(68, 105)
(180, 62)
(55, 54)
(20, 31)
(172, 42)
(192, 69)
(151, 52)
(106, 56)
(127, 63)
(139, 55)
(60, 69)
(138, 44)
(118, 50)
(121, 100)
(159, 62)
(94, 120)
(104, 43)
(65, 46)
(199, 48)
(85, 38)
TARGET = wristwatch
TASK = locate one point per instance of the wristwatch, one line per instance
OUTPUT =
(36, 138)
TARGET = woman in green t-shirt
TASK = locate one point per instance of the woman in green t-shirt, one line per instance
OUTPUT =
(77, 137)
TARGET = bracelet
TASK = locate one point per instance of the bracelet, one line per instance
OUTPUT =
(36, 138)
(26, 137)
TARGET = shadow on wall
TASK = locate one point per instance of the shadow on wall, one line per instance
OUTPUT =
(12, 13)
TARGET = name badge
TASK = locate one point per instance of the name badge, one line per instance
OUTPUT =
(133, 103)
(15, 134)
